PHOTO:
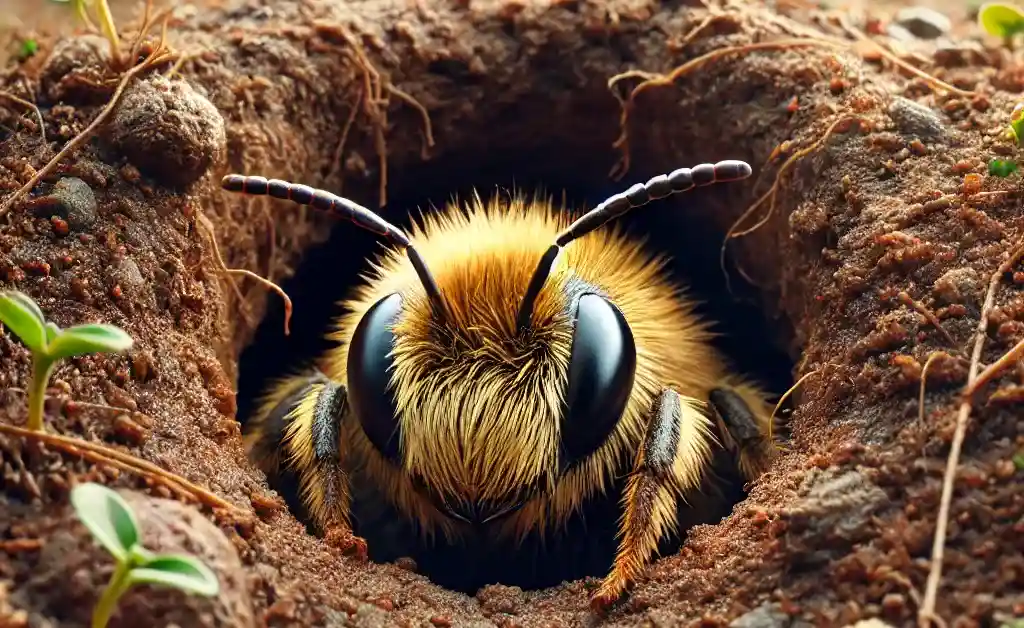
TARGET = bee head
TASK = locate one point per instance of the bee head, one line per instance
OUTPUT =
(491, 399)
(488, 415)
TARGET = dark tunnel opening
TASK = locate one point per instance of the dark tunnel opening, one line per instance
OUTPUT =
(588, 545)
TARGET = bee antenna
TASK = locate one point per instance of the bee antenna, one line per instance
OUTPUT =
(342, 208)
(681, 180)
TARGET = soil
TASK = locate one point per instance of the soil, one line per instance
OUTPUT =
(838, 531)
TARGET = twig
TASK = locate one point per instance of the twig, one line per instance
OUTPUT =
(1007, 360)
(927, 610)
(102, 453)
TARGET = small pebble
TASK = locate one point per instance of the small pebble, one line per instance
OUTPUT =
(76, 202)
(912, 118)
(923, 22)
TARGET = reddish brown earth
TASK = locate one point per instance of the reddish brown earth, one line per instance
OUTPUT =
(839, 530)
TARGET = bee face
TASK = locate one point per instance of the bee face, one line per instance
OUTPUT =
(481, 415)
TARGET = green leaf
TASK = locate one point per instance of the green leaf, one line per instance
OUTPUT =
(23, 317)
(1000, 19)
(181, 572)
(29, 48)
(52, 331)
(82, 339)
(1018, 461)
(140, 556)
(107, 516)
(1002, 167)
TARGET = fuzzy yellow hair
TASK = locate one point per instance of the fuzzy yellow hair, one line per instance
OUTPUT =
(480, 413)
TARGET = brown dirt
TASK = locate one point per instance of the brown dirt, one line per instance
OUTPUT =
(838, 531)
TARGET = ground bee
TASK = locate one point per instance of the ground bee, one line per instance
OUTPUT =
(506, 370)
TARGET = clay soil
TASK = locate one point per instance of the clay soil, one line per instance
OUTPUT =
(875, 253)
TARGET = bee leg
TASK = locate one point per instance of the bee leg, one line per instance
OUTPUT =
(671, 462)
(298, 427)
(744, 422)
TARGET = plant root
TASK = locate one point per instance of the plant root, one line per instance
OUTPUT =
(270, 285)
(97, 453)
(841, 125)
(1007, 360)
(933, 82)
(926, 614)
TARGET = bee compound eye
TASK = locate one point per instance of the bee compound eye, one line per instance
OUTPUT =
(369, 367)
(602, 367)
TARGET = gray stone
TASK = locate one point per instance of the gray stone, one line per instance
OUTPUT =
(76, 202)
(914, 119)
(923, 22)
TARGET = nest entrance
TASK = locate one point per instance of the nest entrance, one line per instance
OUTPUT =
(329, 270)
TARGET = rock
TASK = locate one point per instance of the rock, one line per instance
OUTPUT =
(899, 33)
(168, 131)
(73, 569)
(835, 506)
(75, 202)
(764, 616)
(913, 119)
(923, 22)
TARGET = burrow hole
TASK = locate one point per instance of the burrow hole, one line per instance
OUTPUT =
(330, 270)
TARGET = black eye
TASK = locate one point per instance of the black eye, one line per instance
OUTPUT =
(369, 373)
(601, 370)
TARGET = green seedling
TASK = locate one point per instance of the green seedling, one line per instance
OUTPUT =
(1001, 20)
(1002, 167)
(50, 344)
(29, 48)
(110, 519)
(106, 20)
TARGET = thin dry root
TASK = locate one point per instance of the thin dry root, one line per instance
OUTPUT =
(840, 125)
(906, 299)
(24, 103)
(375, 105)
(159, 54)
(926, 614)
(933, 82)
(270, 285)
(663, 80)
(785, 396)
(924, 382)
(95, 452)
(1008, 359)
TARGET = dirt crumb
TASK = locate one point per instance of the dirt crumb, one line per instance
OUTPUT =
(168, 130)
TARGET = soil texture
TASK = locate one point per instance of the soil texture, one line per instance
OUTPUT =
(880, 230)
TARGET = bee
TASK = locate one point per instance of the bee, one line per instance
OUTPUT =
(507, 369)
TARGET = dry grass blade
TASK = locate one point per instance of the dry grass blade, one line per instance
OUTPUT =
(101, 453)
(926, 614)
